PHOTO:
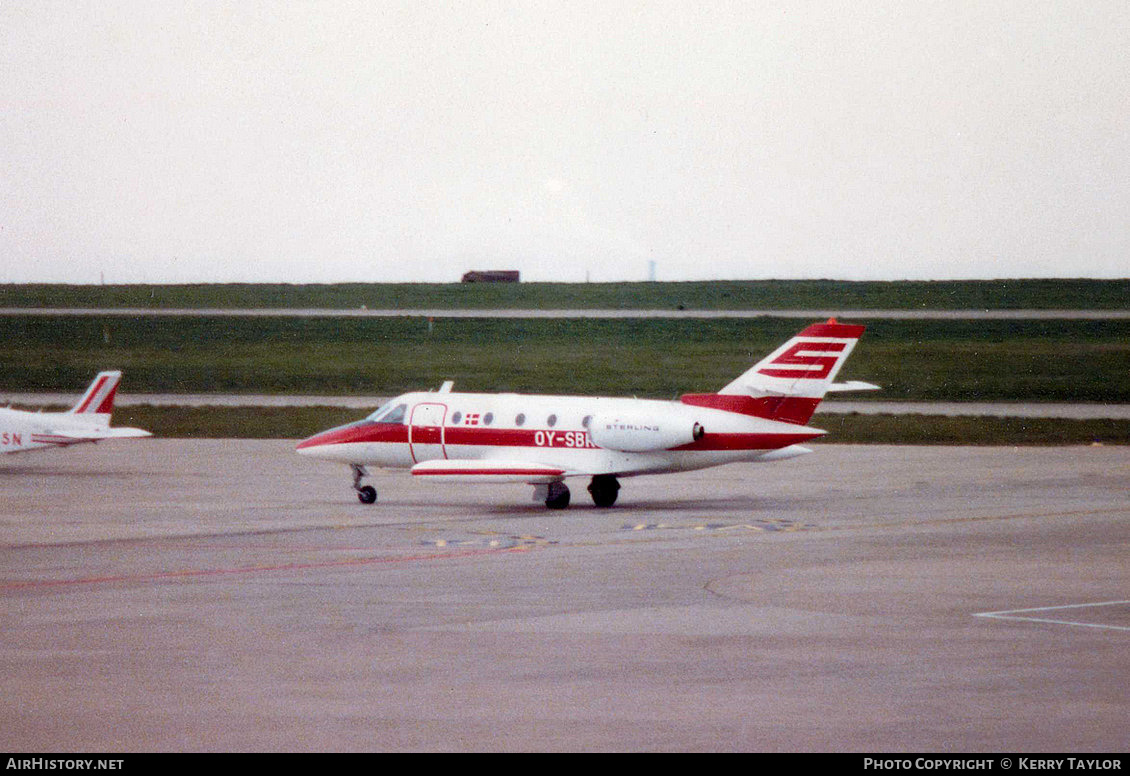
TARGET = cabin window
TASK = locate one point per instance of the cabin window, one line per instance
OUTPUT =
(458, 416)
(488, 418)
(551, 421)
(520, 420)
(586, 421)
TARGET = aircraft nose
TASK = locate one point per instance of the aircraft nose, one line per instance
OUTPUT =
(314, 446)
(331, 444)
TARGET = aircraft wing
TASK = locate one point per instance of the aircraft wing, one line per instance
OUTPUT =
(74, 436)
(489, 470)
(123, 433)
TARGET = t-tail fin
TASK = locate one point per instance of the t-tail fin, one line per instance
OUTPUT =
(791, 381)
(98, 401)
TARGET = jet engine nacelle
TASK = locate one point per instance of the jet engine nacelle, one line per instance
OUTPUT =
(641, 433)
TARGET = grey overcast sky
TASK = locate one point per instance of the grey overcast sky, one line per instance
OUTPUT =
(150, 141)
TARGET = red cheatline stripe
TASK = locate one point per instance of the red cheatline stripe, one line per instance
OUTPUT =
(746, 441)
(577, 440)
(55, 440)
(518, 472)
(254, 569)
(791, 409)
(358, 432)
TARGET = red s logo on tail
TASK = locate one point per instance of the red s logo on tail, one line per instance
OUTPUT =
(805, 367)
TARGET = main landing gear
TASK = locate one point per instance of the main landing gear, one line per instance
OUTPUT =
(366, 494)
(604, 488)
(557, 495)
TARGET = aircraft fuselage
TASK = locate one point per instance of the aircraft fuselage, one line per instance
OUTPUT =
(565, 431)
(761, 415)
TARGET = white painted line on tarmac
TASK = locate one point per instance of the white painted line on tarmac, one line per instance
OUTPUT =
(1013, 614)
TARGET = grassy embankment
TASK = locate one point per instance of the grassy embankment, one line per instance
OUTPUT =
(913, 360)
(932, 360)
(697, 295)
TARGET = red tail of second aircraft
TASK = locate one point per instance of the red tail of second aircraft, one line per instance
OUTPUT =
(98, 401)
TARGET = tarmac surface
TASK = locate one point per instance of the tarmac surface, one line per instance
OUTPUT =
(177, 595)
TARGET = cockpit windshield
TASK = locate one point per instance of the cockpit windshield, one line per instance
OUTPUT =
(389, 413)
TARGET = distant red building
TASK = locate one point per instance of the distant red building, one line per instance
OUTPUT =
(491, 276)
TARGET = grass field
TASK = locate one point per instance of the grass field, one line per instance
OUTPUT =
(912, 360)
(928, 360)
(713, 295)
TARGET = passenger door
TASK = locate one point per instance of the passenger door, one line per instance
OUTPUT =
(426, 430)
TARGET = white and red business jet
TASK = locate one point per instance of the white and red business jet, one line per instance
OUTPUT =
(542, 440)
(87, 421)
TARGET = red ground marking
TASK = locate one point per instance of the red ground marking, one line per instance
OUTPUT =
(255, 569)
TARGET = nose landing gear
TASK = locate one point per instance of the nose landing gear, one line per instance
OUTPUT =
(366, 494)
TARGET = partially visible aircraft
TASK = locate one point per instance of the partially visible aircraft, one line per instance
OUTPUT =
(87, 421)
(542, 440)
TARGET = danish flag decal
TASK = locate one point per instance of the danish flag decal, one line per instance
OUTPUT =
(809, 367)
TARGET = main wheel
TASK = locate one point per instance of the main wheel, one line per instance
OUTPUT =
(558, 496)
(604, 488)
(367, 494)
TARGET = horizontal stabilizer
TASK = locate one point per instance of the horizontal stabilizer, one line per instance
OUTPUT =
(853, 385)
(75, 436)
(123, 433)
(488, 471)
(95, 434)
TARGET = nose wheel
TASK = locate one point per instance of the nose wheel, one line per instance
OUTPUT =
(366, 494)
